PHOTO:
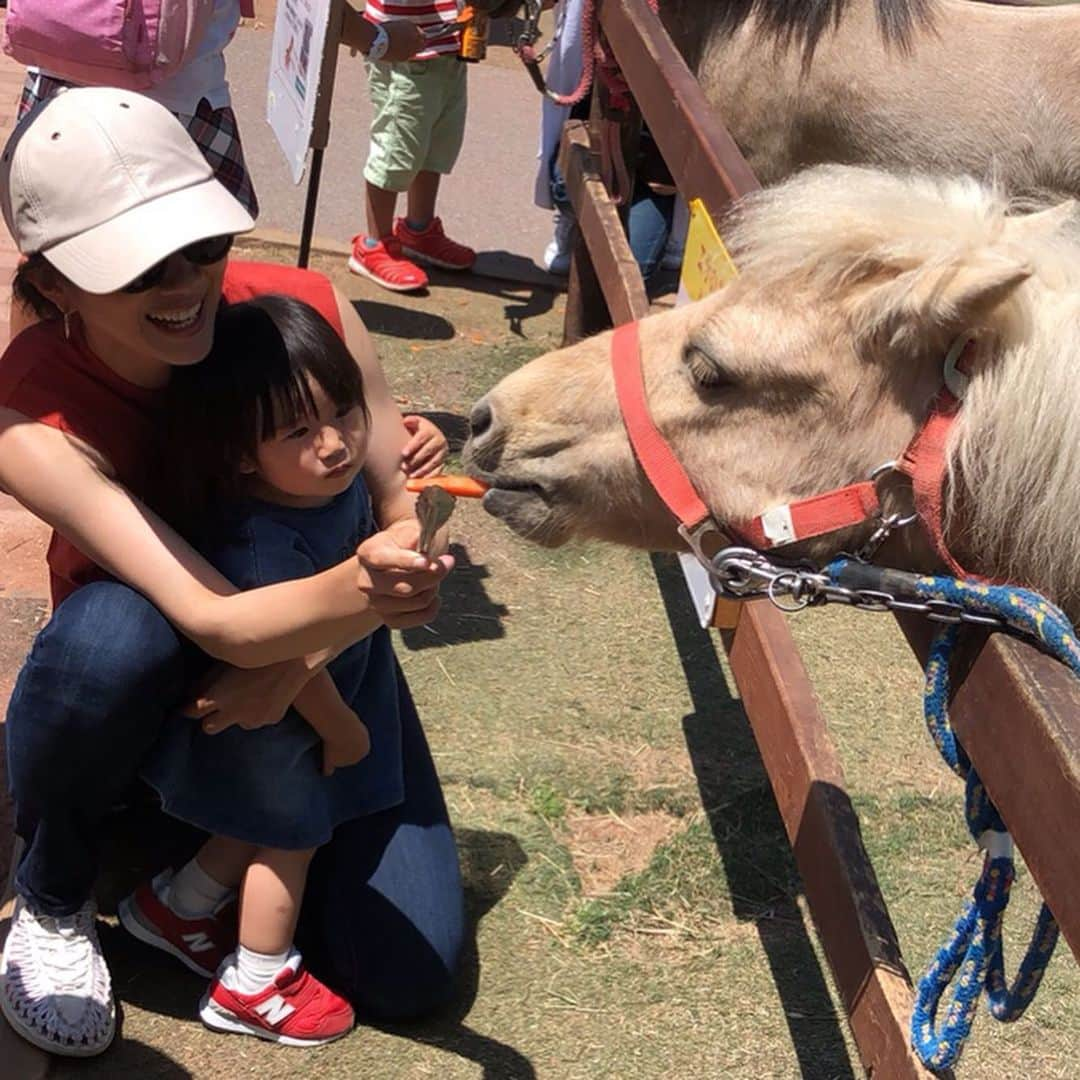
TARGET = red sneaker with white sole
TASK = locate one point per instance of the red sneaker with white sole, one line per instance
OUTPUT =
(294, 1010)
(432, 245)
(386, 265)
(199, 944)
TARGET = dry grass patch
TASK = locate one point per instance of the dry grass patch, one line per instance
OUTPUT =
(604, 848)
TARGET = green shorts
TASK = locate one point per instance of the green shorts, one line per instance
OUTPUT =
(418, 120)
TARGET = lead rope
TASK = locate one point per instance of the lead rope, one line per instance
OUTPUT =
(974, 952)
(596, 59)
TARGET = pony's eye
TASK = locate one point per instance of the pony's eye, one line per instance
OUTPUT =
(704, 370)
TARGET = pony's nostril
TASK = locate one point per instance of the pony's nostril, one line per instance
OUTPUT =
(480, 419)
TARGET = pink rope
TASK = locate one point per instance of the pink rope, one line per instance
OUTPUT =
(596, 59)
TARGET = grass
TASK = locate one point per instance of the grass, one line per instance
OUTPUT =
(568, 695)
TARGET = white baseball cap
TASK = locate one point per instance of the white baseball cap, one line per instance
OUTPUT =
(105, 183)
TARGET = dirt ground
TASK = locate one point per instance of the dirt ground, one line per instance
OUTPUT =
(635, 907)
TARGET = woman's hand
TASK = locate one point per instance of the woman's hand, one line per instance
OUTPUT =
(346, 744)
(245, 697)
(401, 584)
(425, 452)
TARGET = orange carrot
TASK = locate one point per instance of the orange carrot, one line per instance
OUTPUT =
(464, 486)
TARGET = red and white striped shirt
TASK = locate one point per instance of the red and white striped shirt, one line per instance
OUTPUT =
(425, 13)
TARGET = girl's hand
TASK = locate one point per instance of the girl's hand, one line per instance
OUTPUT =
(401, 584)
(349, 743)
(249, 698)
(426, 451)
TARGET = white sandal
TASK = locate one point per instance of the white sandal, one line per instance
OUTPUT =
(55, 989)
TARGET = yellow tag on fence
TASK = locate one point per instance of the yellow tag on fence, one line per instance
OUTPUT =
(707, 266)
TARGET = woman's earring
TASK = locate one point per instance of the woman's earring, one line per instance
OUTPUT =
(67, 325)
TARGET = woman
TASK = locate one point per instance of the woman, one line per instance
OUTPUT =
(127, 232)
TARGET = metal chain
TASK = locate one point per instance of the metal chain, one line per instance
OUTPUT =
(743, 574)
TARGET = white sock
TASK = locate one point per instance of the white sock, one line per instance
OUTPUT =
(254, 971)
(194, 893)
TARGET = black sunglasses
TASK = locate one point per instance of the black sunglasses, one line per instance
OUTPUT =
(201, 253)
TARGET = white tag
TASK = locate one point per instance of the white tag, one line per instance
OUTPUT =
(778, 526)
(998, 845)
(701, 588)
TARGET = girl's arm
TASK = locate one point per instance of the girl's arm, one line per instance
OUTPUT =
(395, 508)
(61, 484)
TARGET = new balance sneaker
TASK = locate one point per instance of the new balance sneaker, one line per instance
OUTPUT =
(432, 245)
(200, 944)
(55, 988)
(295, 1009)
(386, 265)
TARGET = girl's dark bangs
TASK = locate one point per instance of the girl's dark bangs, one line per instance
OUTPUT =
(285, 404)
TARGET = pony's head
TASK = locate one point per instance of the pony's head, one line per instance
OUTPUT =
(818, 364)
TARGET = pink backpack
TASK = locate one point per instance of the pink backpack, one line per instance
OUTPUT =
(132, 44)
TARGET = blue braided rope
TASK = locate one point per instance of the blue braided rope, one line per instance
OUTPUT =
(974, 954)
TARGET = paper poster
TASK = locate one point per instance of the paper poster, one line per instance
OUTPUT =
(296, 62)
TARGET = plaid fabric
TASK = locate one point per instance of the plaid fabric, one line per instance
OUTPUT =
(214, 131)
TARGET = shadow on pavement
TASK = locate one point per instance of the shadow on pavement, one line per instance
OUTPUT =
(750, 836)
(489, 863)
(467, 613)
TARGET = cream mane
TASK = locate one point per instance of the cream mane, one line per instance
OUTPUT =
(1017, 447)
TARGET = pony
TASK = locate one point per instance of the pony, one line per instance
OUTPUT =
(927, 85)
(818, 364)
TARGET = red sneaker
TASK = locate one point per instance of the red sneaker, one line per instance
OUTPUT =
(385, 265)
(295, 1009)
(199, 944)
(433, 246)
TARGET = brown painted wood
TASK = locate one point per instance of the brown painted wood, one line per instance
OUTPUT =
(841, 889)
(699, 151)
(1017, 713)
(601, 231)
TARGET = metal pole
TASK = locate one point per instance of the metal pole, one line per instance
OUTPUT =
(310, 203)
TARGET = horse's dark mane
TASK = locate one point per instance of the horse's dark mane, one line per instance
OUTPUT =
(803, 22)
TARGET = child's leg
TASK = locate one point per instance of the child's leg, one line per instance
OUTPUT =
(423, 194)
(270, 898)
(380, 204)
(264, 990)
(217, 869)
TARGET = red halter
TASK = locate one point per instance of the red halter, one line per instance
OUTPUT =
(923, 460)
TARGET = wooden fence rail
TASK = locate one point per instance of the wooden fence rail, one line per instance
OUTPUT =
(1016, 710)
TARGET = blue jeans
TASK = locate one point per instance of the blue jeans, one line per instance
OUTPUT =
(383, 916)
(648, 220)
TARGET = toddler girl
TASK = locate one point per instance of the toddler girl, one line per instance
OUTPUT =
(272, 432)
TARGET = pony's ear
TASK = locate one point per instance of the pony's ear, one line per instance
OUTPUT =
(945, 298)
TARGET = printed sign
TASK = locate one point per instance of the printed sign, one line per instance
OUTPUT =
(706, 267)
(299, 60)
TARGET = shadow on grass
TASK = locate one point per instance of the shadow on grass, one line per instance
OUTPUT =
(453, 425)
(489, 863)
(467, 612)
(522, 301)
(126, 1059)
(750, 836)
